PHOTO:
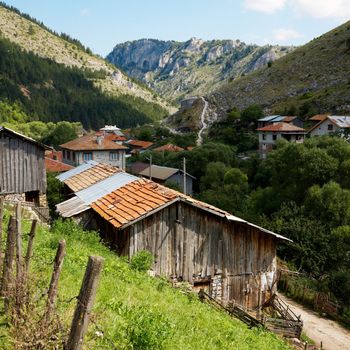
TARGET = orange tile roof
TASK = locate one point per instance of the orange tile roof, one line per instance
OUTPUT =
(133, 201)
(89, 143)
(281, 127)
(114, 137)
(55, 166)
(288, 119)
(90, 176)
(169, 148)
(142, 144)
(319, 117)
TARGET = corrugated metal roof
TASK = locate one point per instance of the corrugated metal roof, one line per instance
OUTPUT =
(139, 199)
(87, 165)
(102, 188)
(341, 121)
(90, 176)
(93, 193)
(71, 207)
(278, 119)
(268, 118)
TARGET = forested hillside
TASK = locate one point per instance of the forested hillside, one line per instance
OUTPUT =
(48, 91)
(35, 37)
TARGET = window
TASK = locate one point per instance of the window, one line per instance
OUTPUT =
(87, 156)
(274, 137)
(74, 156)
(263, 136)
(113, 155)
(330, 127)
(64, 154)
(68, 155)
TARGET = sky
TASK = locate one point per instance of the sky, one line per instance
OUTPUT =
(101, 24)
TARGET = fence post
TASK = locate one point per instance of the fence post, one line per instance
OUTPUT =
(84, 304)
(19, 265)
(7, 278)
(52, 293)
(1, 227)
(30, 245)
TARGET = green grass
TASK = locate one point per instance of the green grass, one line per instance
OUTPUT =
(134, 310)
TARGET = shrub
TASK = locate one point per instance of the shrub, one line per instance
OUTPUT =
(142, 261)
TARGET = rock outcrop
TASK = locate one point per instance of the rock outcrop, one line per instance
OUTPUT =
(177, 70)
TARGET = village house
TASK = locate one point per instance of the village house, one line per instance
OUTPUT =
(22, 173)
(271, 119)
(270, 134)
(137, 146)
(329, 125)
(168, 176)
(169, 147)
(230, 258)
(53, 162)
(94, 147)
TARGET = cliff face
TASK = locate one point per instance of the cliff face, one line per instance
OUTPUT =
(181, 69)
(314, 78)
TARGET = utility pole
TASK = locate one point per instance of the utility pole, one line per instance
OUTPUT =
(150, 167)
(184, 172)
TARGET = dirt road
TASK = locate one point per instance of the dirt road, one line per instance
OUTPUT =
(332, 335)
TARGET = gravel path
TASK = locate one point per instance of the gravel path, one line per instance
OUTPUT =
(332, 335)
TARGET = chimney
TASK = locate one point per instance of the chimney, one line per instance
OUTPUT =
(99, 138)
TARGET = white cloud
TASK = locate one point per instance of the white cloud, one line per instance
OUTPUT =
(323, 8)
(266, 6)
(285, 35)
(84, 12)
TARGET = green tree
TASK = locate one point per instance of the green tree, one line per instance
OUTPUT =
(252, 113)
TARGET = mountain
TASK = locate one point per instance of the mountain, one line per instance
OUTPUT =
(314, 78)
(29, 37)
(181, 69)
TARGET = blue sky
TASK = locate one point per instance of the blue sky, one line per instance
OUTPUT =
(101, 24)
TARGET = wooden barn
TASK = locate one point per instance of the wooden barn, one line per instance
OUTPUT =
(22, 172)
(233, 260)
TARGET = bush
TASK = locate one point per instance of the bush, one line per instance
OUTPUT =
(147, 329)
(142, 261)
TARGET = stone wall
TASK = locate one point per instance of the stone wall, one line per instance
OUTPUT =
(216, 287)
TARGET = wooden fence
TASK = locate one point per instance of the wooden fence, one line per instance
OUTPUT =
(319, 301)
(14, 290)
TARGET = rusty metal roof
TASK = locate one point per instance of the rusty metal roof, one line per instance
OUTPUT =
(90, 176)
(340, 120)
(141, 198)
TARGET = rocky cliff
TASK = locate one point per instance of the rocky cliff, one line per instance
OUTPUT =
(181, 69)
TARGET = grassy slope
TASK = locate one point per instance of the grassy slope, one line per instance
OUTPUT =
(320, 67)
(31, 37)
(132, 301)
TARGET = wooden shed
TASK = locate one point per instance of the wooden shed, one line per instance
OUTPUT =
(22, 172)
(232, 259)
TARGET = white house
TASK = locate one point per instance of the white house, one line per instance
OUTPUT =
(269, 134)
(98, 147)
(329, 125)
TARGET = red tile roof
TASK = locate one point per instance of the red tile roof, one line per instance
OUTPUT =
(141, 144)
(89, 143)
(169, 148)
(55, 166)
(281, 127)
(56, 155)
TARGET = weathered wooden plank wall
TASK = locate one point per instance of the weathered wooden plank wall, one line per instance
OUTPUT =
(22, 166)
(193, 245)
